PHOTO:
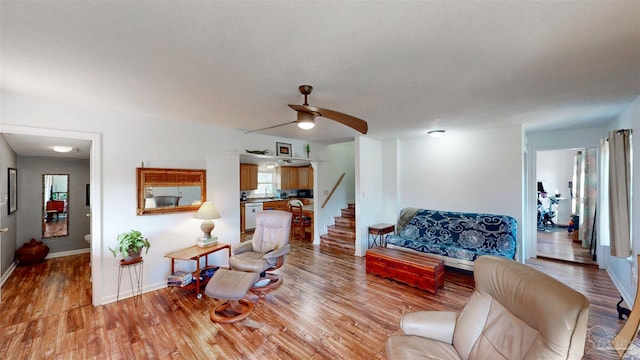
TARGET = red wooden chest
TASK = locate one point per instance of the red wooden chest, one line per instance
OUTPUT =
(413, 269)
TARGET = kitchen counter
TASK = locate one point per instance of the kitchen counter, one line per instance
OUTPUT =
(262, 200)
(273, 204)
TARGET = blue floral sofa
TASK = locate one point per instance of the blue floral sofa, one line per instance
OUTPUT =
(456, 238)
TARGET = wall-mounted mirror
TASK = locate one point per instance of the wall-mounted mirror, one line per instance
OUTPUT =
(55, 205)
(163, 191)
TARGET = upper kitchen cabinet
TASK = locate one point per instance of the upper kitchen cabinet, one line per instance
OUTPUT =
(248, 177)
(287, 177)
(305, 177)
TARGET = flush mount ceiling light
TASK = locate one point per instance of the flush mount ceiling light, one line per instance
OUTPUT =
(436, 133)
(62, 149)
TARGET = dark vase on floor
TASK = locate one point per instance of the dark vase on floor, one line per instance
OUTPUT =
(32, 252)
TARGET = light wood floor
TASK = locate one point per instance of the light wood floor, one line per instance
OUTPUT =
(327, 308)
(558, 245)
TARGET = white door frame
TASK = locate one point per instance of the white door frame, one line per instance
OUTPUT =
(95, 167)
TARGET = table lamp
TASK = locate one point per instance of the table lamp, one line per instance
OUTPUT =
(207, 212)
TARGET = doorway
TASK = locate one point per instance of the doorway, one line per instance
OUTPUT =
(566, 204)
(93, 191)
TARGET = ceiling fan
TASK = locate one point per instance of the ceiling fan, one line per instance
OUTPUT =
(307, 115)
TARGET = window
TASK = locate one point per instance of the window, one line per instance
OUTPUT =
(266, 183)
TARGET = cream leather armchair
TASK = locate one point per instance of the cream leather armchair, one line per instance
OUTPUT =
(516, 312)
(266, 250)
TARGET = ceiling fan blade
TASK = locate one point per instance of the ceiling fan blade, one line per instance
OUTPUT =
(348, 120)
(270, 127)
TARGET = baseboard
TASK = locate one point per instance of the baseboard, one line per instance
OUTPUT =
(127, 293)
(8, 273)
(68, 253)
(628, 298)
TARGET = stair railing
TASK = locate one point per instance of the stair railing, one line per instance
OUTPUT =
(332, 190)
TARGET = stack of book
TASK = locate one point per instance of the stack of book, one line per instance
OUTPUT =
(203, 242)
(180, 278)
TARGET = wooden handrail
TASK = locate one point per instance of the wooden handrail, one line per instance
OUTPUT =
(332, 190)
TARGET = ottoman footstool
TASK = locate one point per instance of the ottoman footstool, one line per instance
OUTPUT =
(232, 286)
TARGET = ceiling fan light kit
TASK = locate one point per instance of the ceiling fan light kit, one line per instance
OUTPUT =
(306, 121)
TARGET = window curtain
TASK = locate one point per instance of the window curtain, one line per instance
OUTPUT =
(578, 192)
(620, 192)
(603, 209)
(589, 196)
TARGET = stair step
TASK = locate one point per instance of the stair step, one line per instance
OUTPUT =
(348, 213)
(341, 233)
(338, 243)
(351, 206)
(345, 222)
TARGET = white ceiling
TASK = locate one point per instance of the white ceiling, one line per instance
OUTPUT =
(405, 67)
(42, 146)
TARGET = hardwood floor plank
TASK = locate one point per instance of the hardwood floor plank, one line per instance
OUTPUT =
(327, 308)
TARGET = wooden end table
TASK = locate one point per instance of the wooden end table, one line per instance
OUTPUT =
(378, 234)
(196, 253)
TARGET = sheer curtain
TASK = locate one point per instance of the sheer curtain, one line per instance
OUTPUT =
(620, 192)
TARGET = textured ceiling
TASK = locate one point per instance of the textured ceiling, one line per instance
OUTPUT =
(405, 67)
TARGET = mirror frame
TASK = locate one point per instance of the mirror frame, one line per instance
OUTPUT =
(146, 177)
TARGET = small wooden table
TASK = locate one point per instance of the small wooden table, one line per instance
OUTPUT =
(196, 253)
(378, 232)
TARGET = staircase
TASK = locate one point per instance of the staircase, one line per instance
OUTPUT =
(342, 235)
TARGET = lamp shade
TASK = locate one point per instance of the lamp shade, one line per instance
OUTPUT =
(207, 211)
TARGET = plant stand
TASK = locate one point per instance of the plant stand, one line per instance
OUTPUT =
(137, 265)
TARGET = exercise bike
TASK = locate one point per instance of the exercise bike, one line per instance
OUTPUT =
(546, 213)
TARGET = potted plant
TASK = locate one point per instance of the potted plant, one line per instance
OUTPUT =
(130, 245)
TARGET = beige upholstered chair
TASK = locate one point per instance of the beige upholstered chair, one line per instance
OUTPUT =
(266, 250)
(516, 312)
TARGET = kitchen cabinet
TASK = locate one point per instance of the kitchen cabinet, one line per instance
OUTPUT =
(276, 205)
(290, 177)
(242, 218)
(305, 177)
(287, 177)
(248, 177)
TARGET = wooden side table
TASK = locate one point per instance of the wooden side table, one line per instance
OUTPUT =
(135, 264)
(378, 232)
(196, 253)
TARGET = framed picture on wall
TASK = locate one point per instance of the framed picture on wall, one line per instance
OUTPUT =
(283, 149)
(12, 205)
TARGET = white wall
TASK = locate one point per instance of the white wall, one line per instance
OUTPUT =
(474, 171)
(369, 189)
(128, 140)
(555, 170)
(390, 181)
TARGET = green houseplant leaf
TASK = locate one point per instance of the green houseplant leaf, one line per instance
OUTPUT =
(130, 243)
